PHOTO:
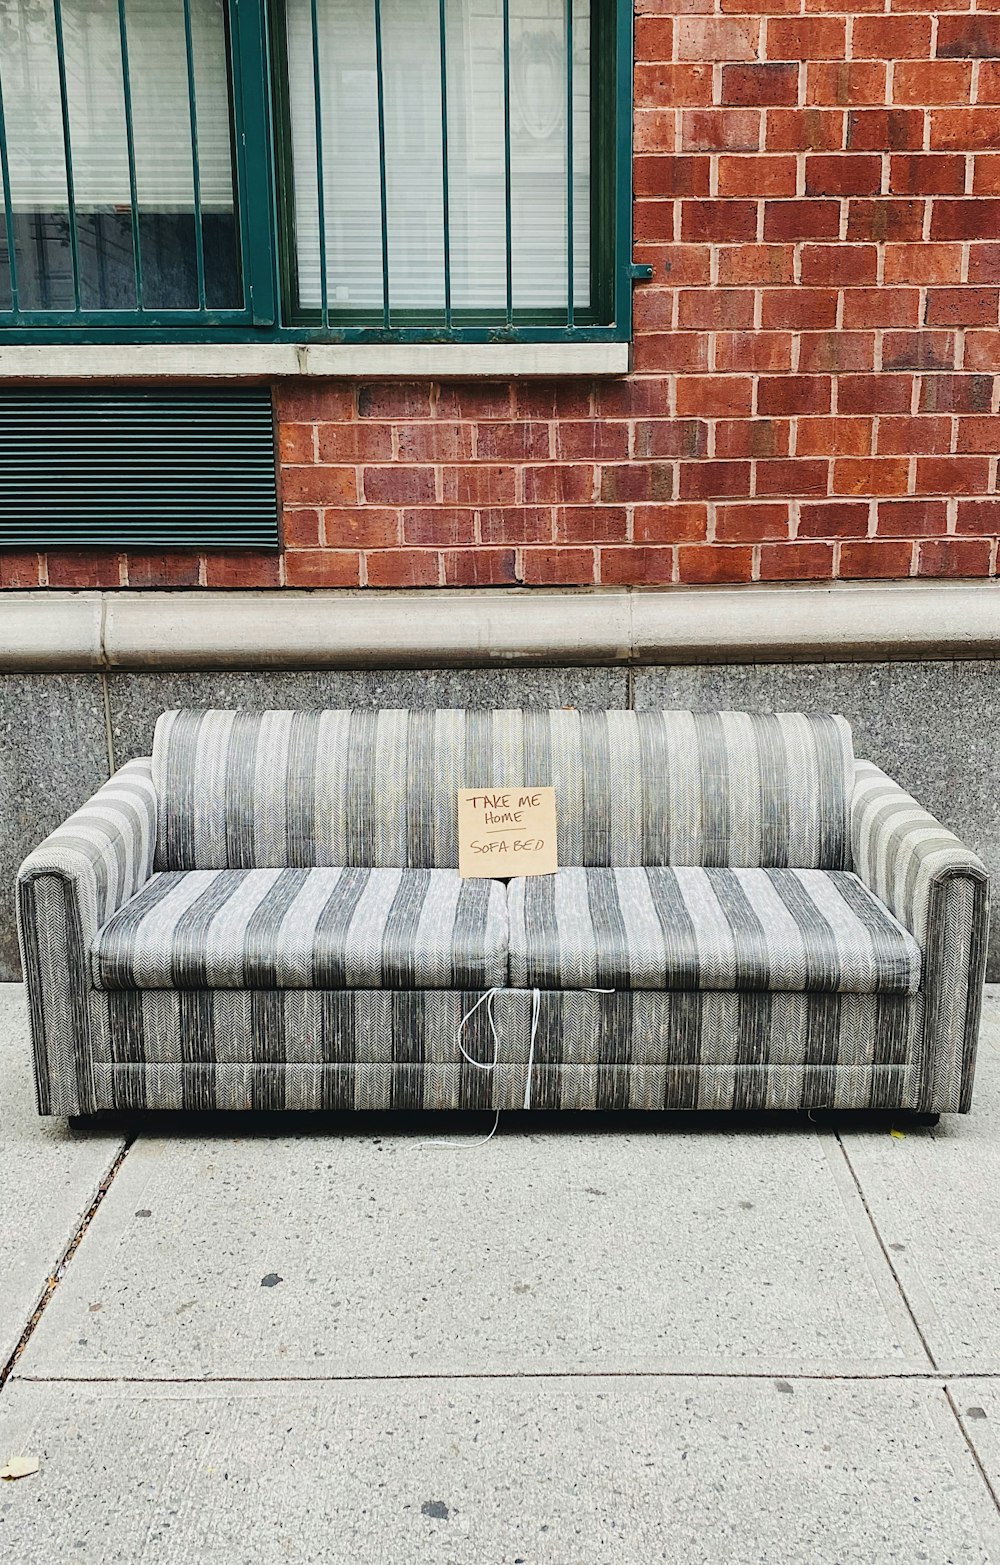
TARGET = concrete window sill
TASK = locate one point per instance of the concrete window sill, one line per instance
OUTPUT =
(266, 361)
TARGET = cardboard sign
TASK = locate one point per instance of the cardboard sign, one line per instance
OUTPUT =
(506, 831)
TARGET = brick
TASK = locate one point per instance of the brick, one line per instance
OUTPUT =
(875, 558)
(901, 435)
(628, 481)
(683, 266)
(654, 37)
(558, 567)
(364, 527)
(891, 37)
(979, 434)
(796, 561)
(308, 401)
(898, 220)
(653, 309)
(479, 567)
(714, 480)
(715, 309)
(789, 220)
(684, 175)
(591, 524)
(839, 436)
(703, 38)
(806, 38)
(956, 393)
(677, 437)
(320, 485)
(683, 86)
(714, 396)
(591, 440)
(653, 221)
(922, 263)
(836, 352)
(403, 568)
(953, 475)
(296, 443)
(679, 523)
(478, 484)
(512, 442)
(300, 529)
(927, 175)
(986, 175)
(653, 131)
(882, 307)
(931, 81)
(751, 523)
(885, 130)
(756, 264)
(20, 568)
(979, 516)
(918, 350)
(720, 130)
(396, 485)
(171, 568)
(718, 222)
(433, 526)
(833, 519)
(233, 570)
(801, 309)
(870, 475)
(989, 82)
(965, 130)
(574, 484)
(395, 399)
(968, 37)
(837, 265)
(760, 85)
(521, 524)
(793, 394)
(794, 476)
(982, 350)
(911, 518)
(355, 442)
(711, 563)
(634, 566)
(670, 351)
(962, 306)
(473, 399)
(976, 218)
(438, 442)
(804, 130)
(846, 82)
(875, 393)
(322, 568)
(752, 437)
(843, 175)
(753, 351)
(954, 557)
(769, 175)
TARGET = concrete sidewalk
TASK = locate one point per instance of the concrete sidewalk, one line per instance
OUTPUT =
(586, 1343)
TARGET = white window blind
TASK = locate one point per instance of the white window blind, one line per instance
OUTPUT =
(161, 121)
(542, 114)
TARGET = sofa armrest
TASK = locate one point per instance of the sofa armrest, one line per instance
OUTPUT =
(939, 890)
(66, 889)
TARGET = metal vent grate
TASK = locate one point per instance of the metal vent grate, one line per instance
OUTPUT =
(137, 469)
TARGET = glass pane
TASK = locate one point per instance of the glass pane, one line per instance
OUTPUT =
(167, 219)
(538, 97)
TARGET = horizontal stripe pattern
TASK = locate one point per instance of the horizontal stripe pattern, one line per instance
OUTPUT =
(306, 929)
(254, 790)
(694, 928)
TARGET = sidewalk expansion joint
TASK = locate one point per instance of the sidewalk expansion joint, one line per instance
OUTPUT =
(53, 1281)
(984, 1475)
(930, 1377)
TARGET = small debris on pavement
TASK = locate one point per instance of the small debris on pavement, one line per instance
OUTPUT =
(20, 1467)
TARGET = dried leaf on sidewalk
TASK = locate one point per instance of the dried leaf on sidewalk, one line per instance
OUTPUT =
(20, 1467)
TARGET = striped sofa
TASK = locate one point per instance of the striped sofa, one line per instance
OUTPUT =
(267, 914)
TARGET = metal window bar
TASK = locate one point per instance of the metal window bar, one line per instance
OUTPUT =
(445, 213)
(199, 236)
(74, 240)
(570, 216)
(8, 211)
(133, 188)
(320, 186)
(507, 176)
(383, 186)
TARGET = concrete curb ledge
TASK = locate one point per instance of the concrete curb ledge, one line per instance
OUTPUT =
(49, 631)
(353, 361)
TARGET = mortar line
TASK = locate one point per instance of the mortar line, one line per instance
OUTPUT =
(949, 1398)
(56, 1276)
(885, 1252)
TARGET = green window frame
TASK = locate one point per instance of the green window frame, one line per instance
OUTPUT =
(263, 204)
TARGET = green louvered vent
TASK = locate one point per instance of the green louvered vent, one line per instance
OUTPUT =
(137, 469)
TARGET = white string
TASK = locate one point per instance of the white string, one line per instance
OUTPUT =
(491, 1065)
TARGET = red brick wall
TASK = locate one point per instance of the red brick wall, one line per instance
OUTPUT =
(815, 386)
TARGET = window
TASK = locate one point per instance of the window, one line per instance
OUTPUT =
(327, 170)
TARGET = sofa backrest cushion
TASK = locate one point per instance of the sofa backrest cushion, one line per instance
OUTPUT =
(245, 790)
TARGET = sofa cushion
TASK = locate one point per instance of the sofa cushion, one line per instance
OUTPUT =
(305, 929)
(252, 790)
(692, 928)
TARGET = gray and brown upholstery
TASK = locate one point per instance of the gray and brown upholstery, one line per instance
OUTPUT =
(267, 914)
